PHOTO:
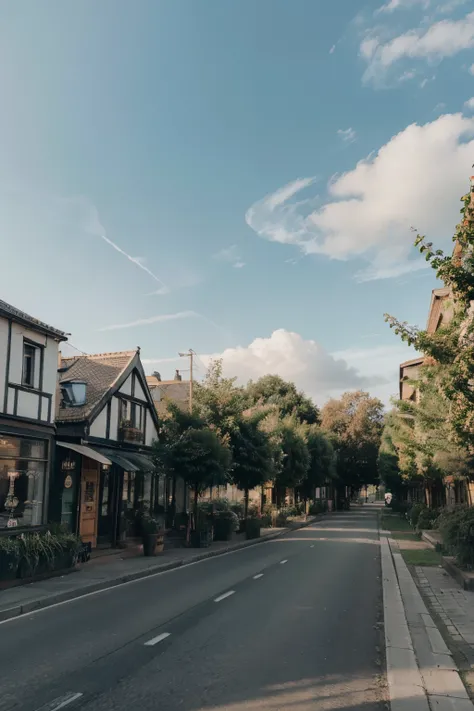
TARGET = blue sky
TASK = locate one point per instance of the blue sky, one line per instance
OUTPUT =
(258, 164)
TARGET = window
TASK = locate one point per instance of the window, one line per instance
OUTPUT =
(29, 356)
(136, 416)
(22, 480)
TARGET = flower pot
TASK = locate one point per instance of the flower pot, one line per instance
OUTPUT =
(150, 541)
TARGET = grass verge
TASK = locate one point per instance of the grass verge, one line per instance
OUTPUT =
(393, 522)
(423, 557)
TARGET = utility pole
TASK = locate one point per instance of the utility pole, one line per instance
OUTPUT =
(190, 354)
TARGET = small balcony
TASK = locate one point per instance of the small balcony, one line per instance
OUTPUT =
(129, 433)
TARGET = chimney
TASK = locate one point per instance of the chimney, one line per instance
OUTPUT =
(177, 375)
(157, 375)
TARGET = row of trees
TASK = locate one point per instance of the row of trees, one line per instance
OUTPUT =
(269, 431)
(433, 437)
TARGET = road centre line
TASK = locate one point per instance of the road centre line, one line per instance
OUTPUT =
(61, 702)
(256, 577)
(159, 638)
(223, 597)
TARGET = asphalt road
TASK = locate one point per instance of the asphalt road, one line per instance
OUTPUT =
(292, 623)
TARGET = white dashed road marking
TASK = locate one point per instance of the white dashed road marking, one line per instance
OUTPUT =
(159, 638)
(256, 577)
(223, 597)
(61, 702)
(282, 562)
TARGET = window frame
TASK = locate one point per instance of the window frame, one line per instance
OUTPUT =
(33, 356)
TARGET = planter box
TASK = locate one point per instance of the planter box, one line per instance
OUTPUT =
(223, 529)
(8, 567)
(201, 539)
(252, 528)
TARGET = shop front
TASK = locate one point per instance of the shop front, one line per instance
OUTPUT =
(24, 469)
(103, 491)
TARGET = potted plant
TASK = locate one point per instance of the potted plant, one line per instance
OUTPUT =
(9, 558)
(152, 536)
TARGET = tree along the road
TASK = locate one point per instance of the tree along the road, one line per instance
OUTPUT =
(252, 456)
(355, 423)
(224, 406)
(452, 345)
(273, 390)
(322, 465)
(188, 448)
(417, 439)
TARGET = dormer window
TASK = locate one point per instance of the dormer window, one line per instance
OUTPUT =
(74, 393)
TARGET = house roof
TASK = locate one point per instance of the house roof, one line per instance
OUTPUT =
(414, 361)
(176, 391)
(100, 372)
(10, 312)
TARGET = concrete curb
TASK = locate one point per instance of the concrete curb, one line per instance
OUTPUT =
(465, 580)
(54, 599)
(405, 685)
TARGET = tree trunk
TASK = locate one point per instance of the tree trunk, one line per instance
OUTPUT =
(246, 502)
(196, 496)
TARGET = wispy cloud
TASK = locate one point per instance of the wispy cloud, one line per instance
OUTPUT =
(230, 255)
(393, 5)
(361, 219)
(333, 49)
(139, 262)
(471, 69)
(441, 39)
(348, 135)
(152, 319)
(469, 104)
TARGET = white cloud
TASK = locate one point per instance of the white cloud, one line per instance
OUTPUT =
(315, 371)
(399, 4)
(469, 104)
(441, 39)
(416, 179)
(348, 135)
(151, 319)
(471, 69)
(230, 255)
(333, 49)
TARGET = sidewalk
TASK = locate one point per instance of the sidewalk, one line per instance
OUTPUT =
(453, 609)
(103, 573)
(422, 672)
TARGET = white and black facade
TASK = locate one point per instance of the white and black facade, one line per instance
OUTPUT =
(28, 378)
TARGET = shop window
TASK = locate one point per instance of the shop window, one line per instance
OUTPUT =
(22, 481)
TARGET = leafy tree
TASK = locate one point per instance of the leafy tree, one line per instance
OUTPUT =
(252, 456)
(322, 465)
(273, 390)
(187, 447)
(452, 345)
(355, 422)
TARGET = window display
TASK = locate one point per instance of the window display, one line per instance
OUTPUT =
(22, 481)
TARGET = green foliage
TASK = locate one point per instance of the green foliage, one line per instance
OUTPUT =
(355, 423)
(273, 390)
(457, 530)
(452, 345)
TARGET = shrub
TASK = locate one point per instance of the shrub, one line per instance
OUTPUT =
(317, 507)
(426, 519)
(238, 508)
(415, 512)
